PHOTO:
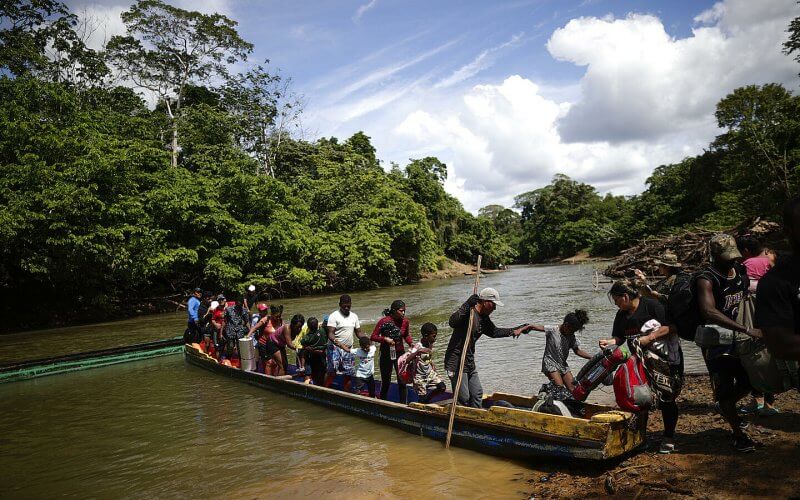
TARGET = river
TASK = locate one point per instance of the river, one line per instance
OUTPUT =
(163, 428)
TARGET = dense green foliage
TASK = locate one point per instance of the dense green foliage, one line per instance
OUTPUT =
(106, 203)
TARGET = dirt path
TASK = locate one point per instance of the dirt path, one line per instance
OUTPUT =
(705, 465)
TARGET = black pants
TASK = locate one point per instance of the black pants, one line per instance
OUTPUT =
(669, 413)
(361, 382)
(387, 364)
(192, 333)
(316, 362)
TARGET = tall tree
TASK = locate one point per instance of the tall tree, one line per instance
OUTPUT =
(761, 146)
(39, 37)
(167, 48)
(265, 109)
(793, 43)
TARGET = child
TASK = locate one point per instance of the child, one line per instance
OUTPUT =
(365, 374)
(558, 341)
(426, 379)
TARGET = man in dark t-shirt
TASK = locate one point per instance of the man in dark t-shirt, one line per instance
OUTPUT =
(778, 294)
(721, 288)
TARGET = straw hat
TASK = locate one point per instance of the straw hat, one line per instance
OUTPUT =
(669, 259)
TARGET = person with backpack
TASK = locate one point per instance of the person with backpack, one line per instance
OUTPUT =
(635, 312)
(235, 324)
(778, 294)
(670, 268)
(721, 288)
(390, 332)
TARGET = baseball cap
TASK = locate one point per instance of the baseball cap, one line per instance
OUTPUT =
(262, 306)
(490, 294)
(723, 246)
(198, 290)
(251, 288)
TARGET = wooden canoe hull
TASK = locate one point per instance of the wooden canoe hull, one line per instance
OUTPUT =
(24, 370)
(531, 435)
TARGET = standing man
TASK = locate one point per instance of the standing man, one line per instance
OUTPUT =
(342, 326)
(471, 392)
(721, 288)
(192, 333)
(250, 297)
(778, 297)
(670, 268)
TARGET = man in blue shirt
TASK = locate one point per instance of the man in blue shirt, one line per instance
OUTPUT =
(192, 333)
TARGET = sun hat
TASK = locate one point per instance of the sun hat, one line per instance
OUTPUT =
(491, 295)
(668, 259)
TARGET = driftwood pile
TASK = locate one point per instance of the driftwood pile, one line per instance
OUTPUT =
(691, 247)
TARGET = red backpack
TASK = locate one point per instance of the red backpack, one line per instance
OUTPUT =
(407, 367)
(631, 388)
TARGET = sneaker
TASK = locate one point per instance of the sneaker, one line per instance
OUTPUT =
(751, 408)
(666, 447)
(744, 424)
(768, 412)
(743, 444)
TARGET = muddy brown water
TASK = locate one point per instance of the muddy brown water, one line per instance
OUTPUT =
(163, 428)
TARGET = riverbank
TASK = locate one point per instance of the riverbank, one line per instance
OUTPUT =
(705, 465)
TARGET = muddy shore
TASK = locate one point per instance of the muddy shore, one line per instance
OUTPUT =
(704, 465)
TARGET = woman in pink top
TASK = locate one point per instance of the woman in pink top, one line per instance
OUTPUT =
(392, 329)
(273, 350)
(756, 259)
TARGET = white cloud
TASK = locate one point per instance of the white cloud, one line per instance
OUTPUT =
(645, 99)
(641, 84)
(362, 9)
(484, 60)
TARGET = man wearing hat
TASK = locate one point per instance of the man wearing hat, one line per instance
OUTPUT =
(721, 288)
(471, 393)
(669, 267)
(192, 333)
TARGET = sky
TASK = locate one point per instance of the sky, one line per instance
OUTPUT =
(509, 93)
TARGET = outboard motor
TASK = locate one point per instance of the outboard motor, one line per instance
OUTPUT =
(247, 354)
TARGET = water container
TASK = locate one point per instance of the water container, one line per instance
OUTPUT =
(392, 352)
(247, 354)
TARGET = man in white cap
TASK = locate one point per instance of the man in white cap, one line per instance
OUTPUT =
(471, 393)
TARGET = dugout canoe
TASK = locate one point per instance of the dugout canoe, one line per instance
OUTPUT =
(23, 370)
(603, 433)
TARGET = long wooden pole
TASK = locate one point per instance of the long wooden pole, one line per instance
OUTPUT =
(463, 359)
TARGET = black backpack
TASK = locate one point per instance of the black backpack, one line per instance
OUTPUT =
(682, 308)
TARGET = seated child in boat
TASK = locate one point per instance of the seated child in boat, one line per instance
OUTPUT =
(427, 382)
(558, 342)
(365, 373)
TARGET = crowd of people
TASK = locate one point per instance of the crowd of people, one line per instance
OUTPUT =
(336, 347)
(744, 289)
